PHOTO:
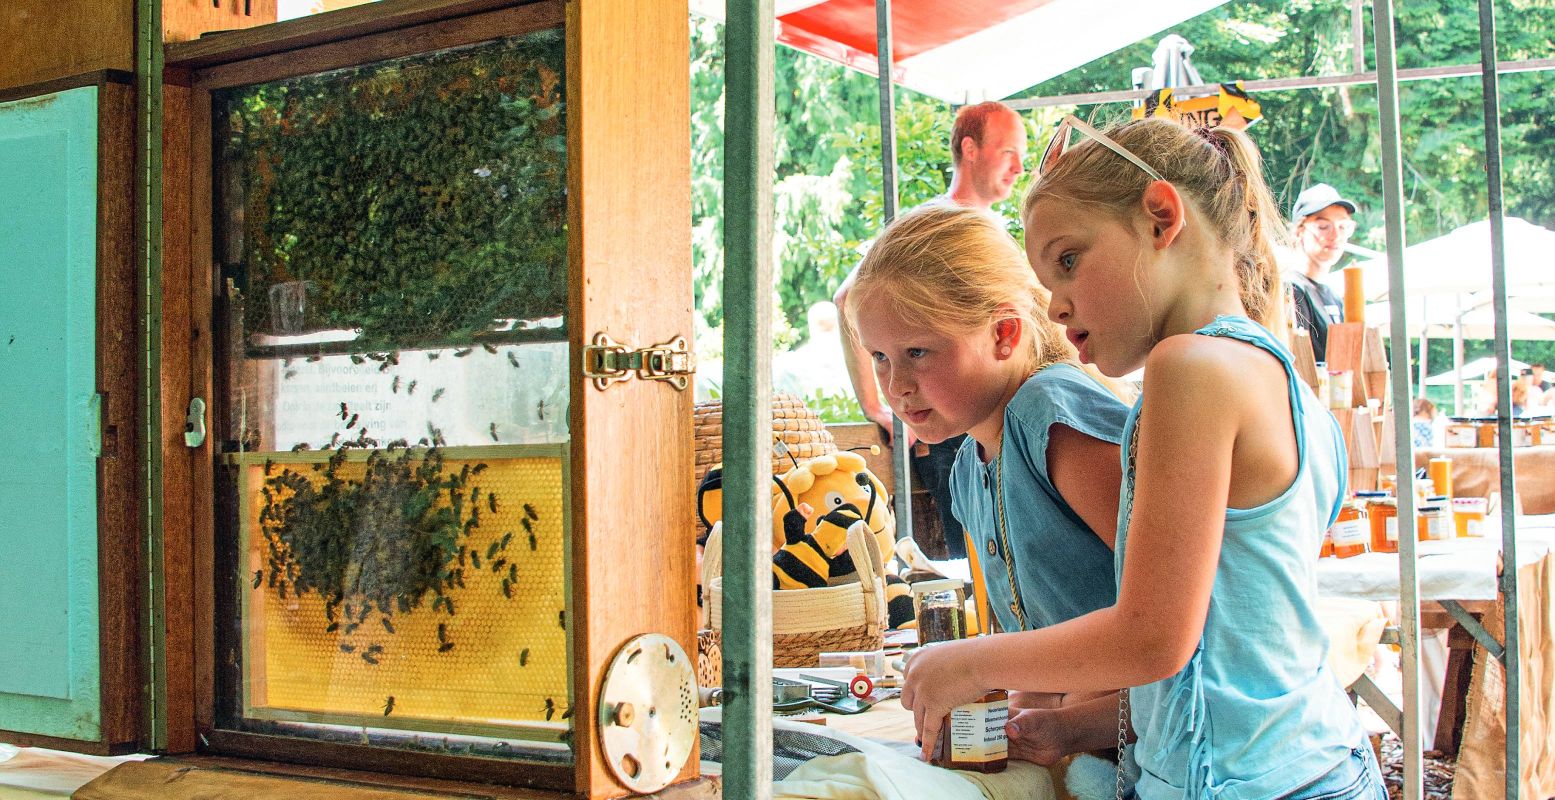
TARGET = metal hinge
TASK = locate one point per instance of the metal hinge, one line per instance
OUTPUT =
(608, 361)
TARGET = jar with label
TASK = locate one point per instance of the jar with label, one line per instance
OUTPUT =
(1469, 514)
(1350, 532)
(1433, 525)
(1383, 514)
(941, 611)
(1321, 389)
(1440, 470)
(972, 736)
(1341, 388)
(1327, 548)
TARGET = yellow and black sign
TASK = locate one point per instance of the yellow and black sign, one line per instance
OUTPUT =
(1231, 106)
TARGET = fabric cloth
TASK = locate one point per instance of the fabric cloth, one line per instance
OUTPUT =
(1481, 767)
(1256, 712)
(1061, 568)
(1316, 307)
(889, 771)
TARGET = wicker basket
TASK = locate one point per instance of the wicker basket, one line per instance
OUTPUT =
(808, 622)
(792, 422)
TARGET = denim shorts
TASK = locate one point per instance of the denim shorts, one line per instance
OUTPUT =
(1358, 778)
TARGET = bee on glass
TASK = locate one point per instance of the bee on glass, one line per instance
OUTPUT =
(388, 705)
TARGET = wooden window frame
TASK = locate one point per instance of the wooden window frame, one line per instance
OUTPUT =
(621, 164)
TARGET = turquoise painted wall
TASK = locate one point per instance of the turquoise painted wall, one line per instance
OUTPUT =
(49, 669)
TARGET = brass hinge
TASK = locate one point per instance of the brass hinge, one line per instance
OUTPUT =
(608, 361)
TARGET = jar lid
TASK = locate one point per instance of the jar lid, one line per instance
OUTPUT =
(937, 585)
(1470, 501)
(1370, 495)
(1430, 509)
(1437, 499)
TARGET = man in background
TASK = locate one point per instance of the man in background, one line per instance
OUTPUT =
(988, 153)
(1324, 223)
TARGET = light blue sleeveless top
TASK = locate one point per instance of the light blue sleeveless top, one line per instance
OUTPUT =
(1062, 570)
(1256, 713)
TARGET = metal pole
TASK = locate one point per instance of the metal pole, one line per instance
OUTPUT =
(901, 454)
(1509, 658)
(1457, 363)
(747, 525)
(1398, 345)
(1357, 36)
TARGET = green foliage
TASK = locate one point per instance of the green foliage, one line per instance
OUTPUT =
(828, 130)
(417, 200)
(1331, 135)
(835, 408)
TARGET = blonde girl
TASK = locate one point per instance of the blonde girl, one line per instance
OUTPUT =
(1155, 242)
(957, 327)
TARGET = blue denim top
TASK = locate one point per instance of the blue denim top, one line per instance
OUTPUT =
(1255, 713)
(1060, 567)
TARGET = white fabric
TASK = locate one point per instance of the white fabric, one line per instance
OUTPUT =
(1458, 569)
(892, 771)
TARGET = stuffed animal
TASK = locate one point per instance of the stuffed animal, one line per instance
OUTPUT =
(819, 558)
(826, 483)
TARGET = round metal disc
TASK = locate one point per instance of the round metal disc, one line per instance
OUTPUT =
(648, 712)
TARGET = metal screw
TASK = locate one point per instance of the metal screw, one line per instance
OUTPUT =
(625, 714)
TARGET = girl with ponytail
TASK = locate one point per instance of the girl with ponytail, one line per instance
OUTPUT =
(1156, 243)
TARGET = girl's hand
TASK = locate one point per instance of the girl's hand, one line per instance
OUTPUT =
(1038, 735)
(936, 680)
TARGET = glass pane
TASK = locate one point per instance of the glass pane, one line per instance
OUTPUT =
(393, 249)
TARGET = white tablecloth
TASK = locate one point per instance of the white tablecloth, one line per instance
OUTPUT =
(1458, 569)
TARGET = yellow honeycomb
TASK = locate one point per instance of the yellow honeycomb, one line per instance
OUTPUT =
(507, 664)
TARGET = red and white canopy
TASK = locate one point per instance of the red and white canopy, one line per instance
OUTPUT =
(967, 51)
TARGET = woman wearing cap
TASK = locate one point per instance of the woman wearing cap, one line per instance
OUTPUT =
(1323, 228)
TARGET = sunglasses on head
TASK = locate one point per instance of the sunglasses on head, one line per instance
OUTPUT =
(1059, 144)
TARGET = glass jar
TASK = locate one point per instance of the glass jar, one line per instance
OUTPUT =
(1383, 513)
(940, 608)
(1440, 470)
(1433, 524)
(1469, 514)
(1327, 548)
(972, 736)
(1349, 532)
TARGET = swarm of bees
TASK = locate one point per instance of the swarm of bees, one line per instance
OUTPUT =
(310, 551)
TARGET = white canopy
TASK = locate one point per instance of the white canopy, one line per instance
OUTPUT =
(1439, 315)
(1477, 368)
(968, 51)
(1459, 263)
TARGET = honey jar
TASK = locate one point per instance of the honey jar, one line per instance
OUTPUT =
(1382, 511)
(1469, 514)
(973, 737)
(1440, 470)
(1432, 524)
(1327, 548)
(1348, 535)
(1341, 385)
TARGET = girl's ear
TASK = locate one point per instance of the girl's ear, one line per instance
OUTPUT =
(1007, 331)
(1167, 211)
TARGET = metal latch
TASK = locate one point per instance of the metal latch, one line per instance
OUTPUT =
(608, 361)
(194, 423)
